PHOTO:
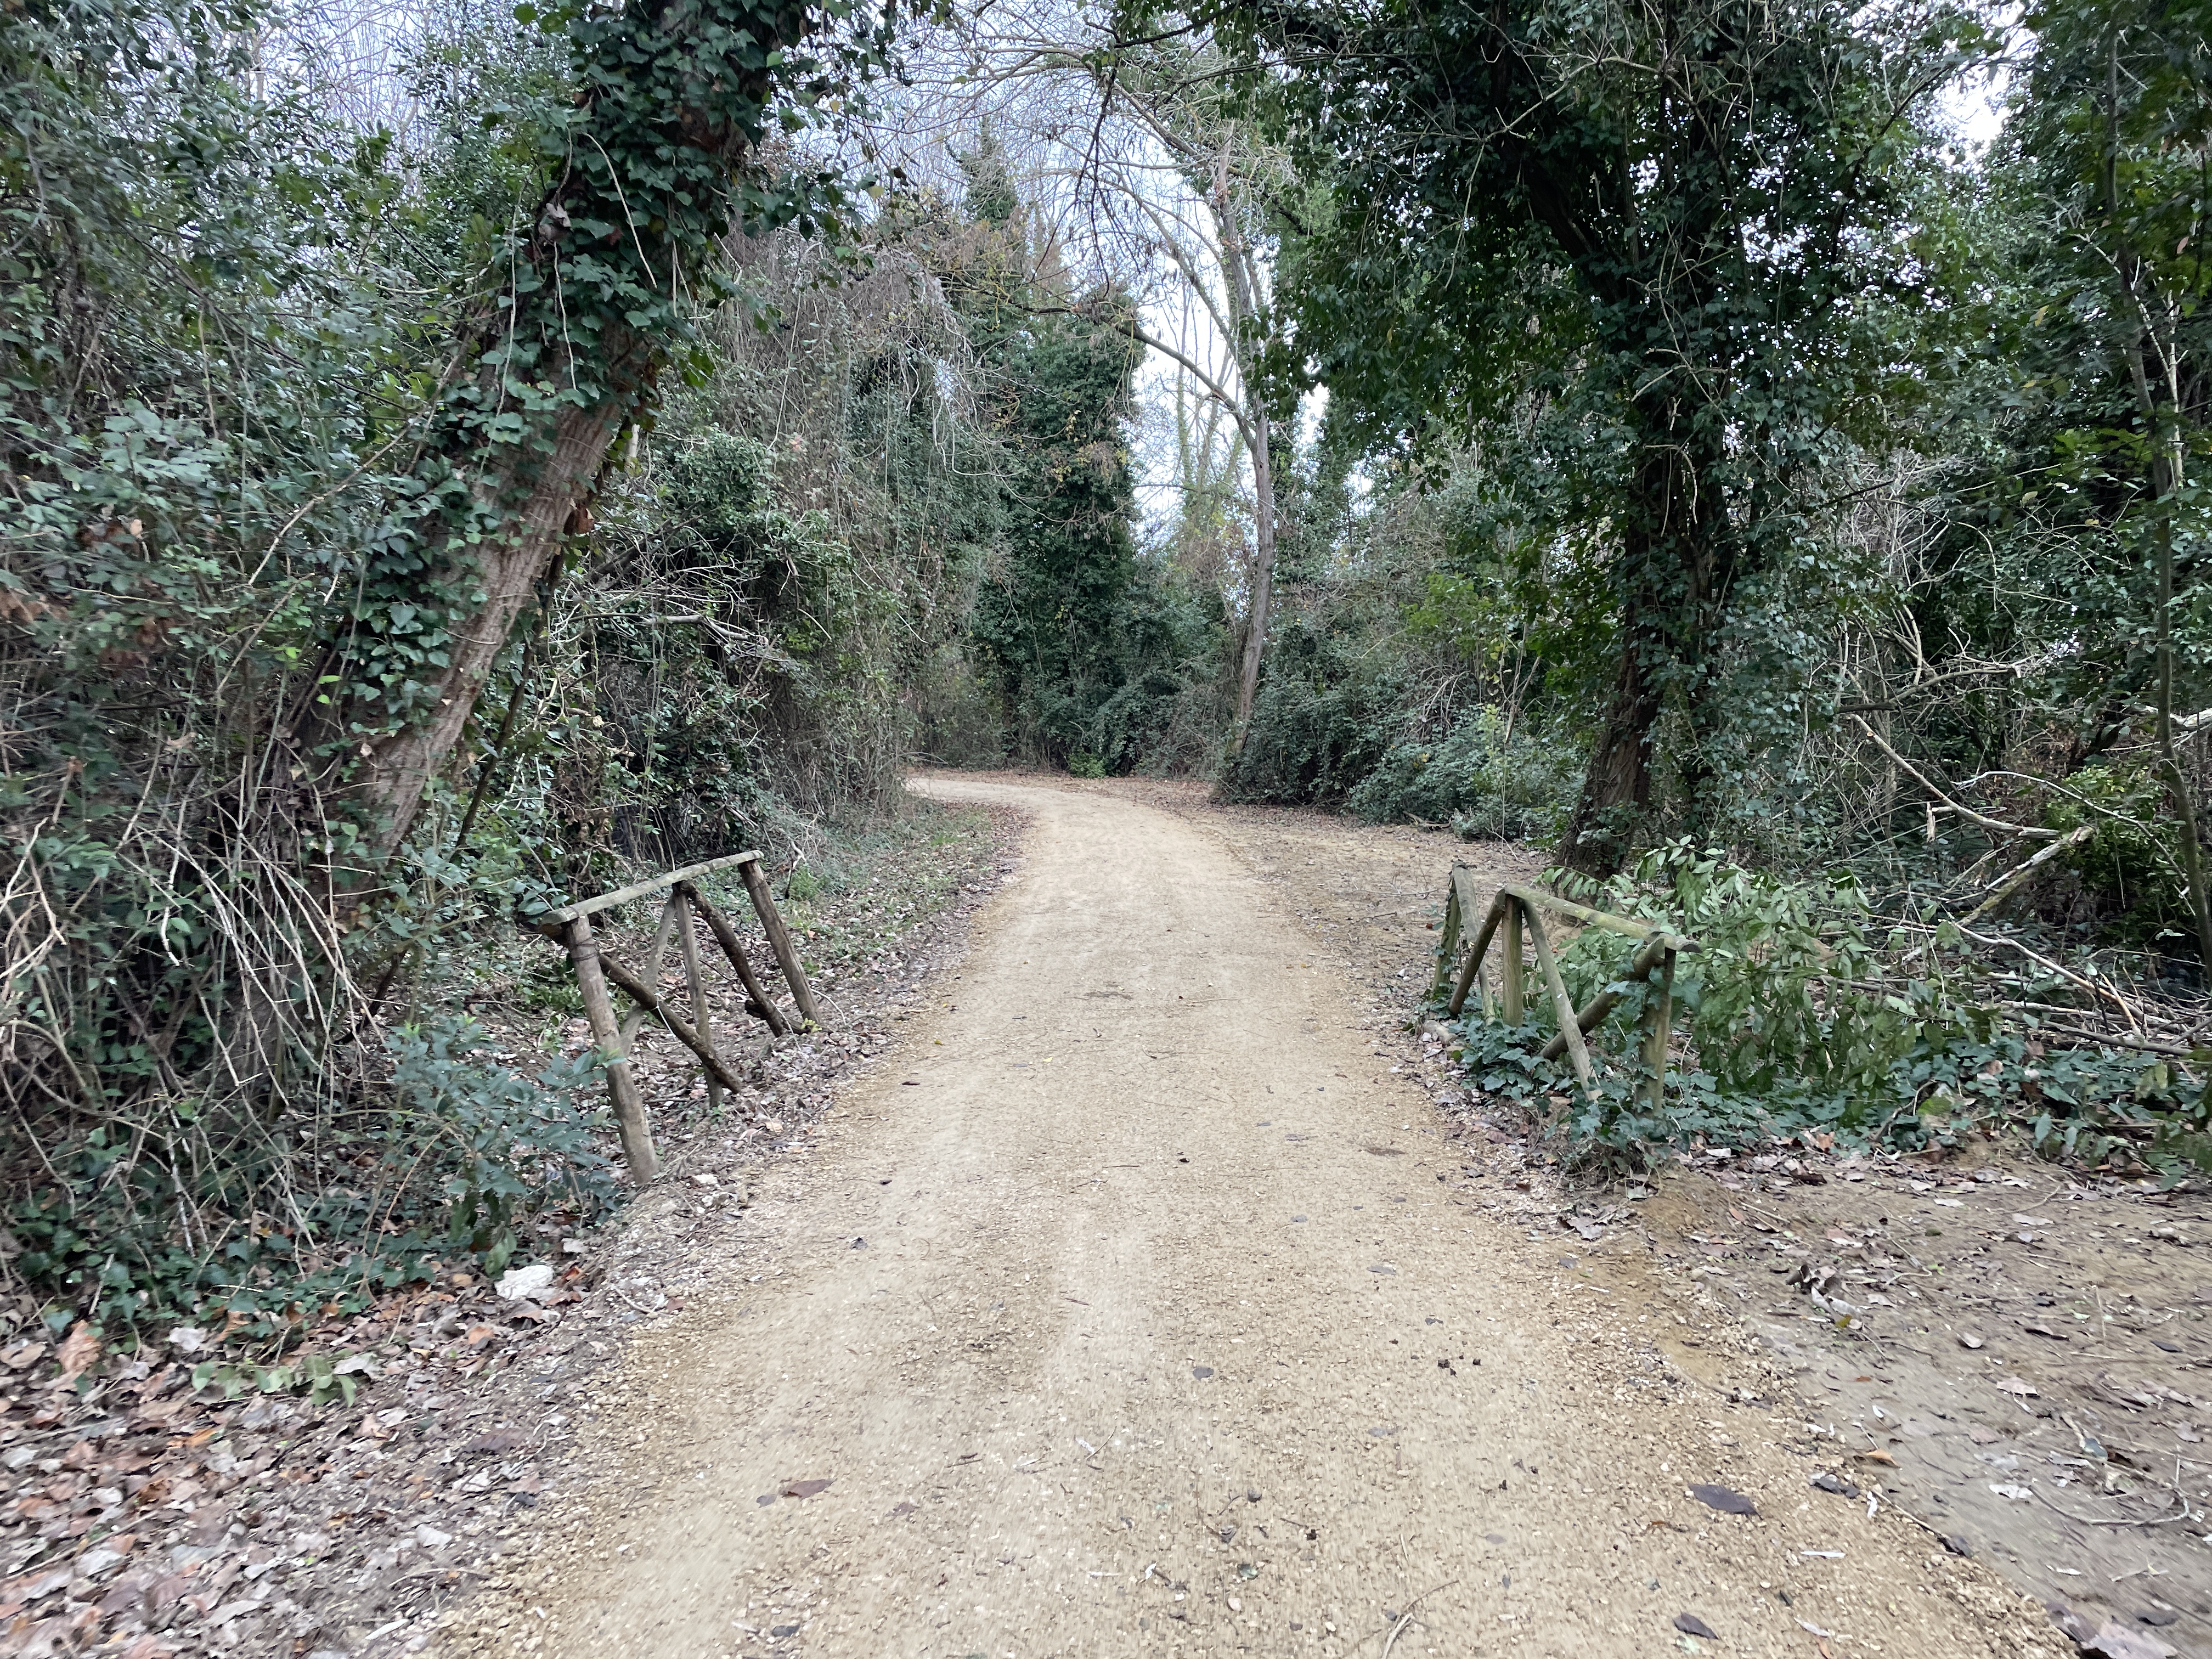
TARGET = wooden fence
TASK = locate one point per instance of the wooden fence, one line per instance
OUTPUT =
(1514, 915)
(571, 926)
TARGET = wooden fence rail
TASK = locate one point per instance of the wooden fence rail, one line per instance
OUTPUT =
(571, 926)
(1516, 912)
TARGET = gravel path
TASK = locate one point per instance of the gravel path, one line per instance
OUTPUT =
(1143, 1311)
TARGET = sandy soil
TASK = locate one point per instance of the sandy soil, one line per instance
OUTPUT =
(1146, 1308)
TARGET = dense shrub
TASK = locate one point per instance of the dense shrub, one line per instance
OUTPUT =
(1322, 720)
(1489, 783)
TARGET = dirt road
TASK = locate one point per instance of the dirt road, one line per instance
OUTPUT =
(1140, 1312)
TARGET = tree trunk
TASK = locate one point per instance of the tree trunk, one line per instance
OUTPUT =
(1618, 786)
(1241, 281)
(2153, 348)
(1676, 567)
(392, 773)
(1263, 572)
(554, 364)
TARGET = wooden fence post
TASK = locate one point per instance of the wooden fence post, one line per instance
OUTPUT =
(1513, 992)
(1472, 973)
(622, 1082)
(1563, 1006)
(779, 939)
(687, 940)
(726, 937)
(1657, 1023)
(1447, 946)
(652, 970)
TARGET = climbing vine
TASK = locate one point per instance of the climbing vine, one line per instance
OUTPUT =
(658, 157)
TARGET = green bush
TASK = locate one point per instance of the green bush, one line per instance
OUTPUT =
(2127, 883)
(1322, 719)
(1487, 785)
(472, 1151)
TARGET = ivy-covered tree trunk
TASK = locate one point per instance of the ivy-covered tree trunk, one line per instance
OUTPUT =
(1263, 568)
(1242, 286)
(656, 167)
(504, 570)
(1677, 563)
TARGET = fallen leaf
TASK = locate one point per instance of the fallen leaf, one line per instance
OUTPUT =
(2013, 1385)
(803, 1488)
(1690, 1625)
(1721, 1498)
(79, 1351)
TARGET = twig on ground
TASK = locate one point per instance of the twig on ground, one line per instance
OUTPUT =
(2183, 1514)
(2066, 974)
(1406, 1617)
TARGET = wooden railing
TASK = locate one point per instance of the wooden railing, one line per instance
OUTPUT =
(571, 926)
(1515, 911)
